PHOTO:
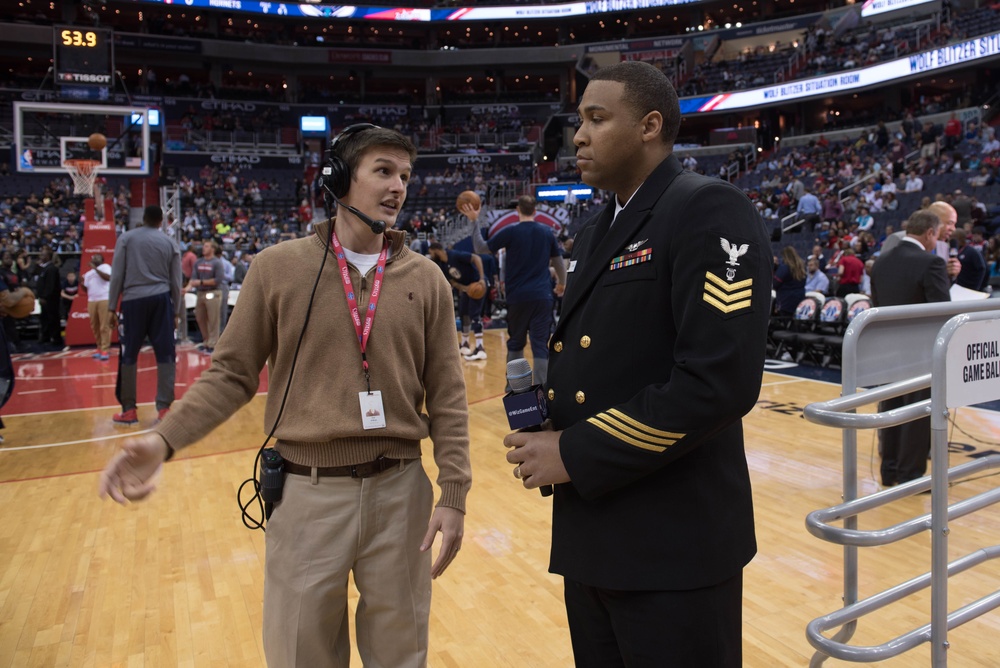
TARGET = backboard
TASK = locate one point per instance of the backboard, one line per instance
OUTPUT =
(46, 134)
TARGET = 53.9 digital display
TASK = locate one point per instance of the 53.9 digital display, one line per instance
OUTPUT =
(82, 55)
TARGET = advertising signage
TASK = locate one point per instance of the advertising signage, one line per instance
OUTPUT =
(518, 12)
(838, 83)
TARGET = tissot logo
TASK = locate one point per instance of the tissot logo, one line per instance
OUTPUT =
(242, 159)
(469, 159)
(86, 78)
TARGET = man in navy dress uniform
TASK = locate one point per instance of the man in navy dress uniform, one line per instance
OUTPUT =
(658, 354)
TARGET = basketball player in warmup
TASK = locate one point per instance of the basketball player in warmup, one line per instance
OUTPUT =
(531, 250)
(465, 273)
(146, 275)
(358, 407)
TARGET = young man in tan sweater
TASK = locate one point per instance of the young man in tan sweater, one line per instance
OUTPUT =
(370, 384)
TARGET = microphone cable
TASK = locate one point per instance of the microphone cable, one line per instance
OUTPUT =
(249, 520)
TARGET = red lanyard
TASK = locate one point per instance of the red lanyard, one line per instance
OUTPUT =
(352, 303)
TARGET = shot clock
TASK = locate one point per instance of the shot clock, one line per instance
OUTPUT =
(82, 55)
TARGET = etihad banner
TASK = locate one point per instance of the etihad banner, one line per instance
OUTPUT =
(838, 83)
(451, 161)
(252, 160)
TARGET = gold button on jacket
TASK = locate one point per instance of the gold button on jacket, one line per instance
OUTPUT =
(552, 394)
(585, 342)
(580, 397)
(557, 346)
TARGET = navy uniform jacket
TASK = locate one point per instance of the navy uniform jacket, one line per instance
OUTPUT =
(658, 354)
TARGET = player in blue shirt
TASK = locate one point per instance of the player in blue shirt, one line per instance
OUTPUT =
(531, 249)
(462, 270)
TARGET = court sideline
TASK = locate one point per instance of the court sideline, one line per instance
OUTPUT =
(177, 580)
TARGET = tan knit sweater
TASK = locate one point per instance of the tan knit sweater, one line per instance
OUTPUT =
(412, 355)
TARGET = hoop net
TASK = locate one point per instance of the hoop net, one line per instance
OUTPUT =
(84, 174)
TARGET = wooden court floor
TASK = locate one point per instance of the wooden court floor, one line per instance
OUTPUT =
(177, 580)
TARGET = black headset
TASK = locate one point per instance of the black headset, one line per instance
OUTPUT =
(336, 172)
(335, 177)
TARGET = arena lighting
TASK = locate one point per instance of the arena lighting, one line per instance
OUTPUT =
(558, 192)
(154, 118)
(314, 124)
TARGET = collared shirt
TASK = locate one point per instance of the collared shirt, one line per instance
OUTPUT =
(619, 206)
(817, 282)
(809, 204)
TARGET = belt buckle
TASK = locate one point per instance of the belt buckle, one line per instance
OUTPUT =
(369, 469)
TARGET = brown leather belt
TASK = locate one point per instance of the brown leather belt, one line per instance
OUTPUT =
(366, 470)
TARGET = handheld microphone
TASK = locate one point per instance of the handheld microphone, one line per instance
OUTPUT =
(952, 248)
(525, 403)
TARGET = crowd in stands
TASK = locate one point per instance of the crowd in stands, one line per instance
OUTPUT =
(848, 194)
(819, 50)
(844, 199)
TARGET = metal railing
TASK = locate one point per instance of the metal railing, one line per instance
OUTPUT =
(445, 141)
(787, 226)
(852, 186)
(897, 350)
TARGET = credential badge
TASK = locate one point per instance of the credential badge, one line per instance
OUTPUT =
(733, 252)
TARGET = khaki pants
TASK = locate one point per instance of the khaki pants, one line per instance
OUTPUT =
(322, 530)
(100, 324)
(206, 312)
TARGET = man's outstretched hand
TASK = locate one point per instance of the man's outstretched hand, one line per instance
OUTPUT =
(131, 473)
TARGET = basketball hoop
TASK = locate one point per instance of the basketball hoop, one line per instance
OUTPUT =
(84, 174)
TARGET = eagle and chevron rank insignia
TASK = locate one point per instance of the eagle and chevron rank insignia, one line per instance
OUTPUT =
(726, 295)
(734, 253)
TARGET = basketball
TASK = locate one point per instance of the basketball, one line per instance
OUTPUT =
(476, 290)
(24, 307)
(468, 197)
(97, 141)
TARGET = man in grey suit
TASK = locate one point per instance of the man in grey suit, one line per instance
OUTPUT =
(947, 216)
(911, 273)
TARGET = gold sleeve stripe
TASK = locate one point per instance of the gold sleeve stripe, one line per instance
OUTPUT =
(621, 426)
(614, 412)
(622, 437)
(726, 308)
(742, 294)
(728, 287)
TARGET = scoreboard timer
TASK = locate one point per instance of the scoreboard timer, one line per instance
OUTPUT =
(82, 55)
